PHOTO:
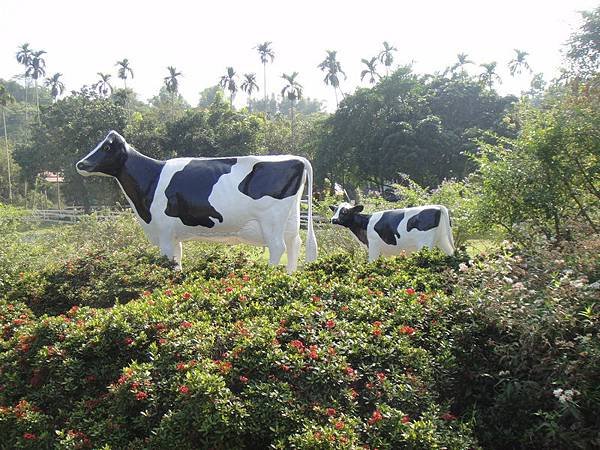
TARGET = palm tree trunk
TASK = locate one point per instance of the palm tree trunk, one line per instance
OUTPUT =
(26, 100)
(37, 102)
(336, 97)
(10, 197)
(265, 83)
(293, 128)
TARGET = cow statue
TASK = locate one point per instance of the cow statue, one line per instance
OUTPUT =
(395, 231)
(249, 199)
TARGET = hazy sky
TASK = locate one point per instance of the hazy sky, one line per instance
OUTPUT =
(201, 38)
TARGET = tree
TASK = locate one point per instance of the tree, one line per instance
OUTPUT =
(386, 57)
(332, 66)
(293, 91)
(371, 69)
(462, 61)
(172, 84)
(36, 70)
(519, 63)
(249, 85)
(489, 75)
(103, 86)
(6, 99)
(228, 81)
(68, 131)
(208, 95)
(124, 71)
(266, 53)
(24, 58)
(584, 46)
(56, 86)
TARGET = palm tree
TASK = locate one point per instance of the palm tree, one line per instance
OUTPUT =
(333, 68)
(518, 63)
(56, 86)
(386, 57)
(124, 71)
(293, 91)
(36, 70)
(371, 69)
(6, 99)
(249, 85)
(489, 76)
(172, 85)
(103, 86)
(463, 60)
(24, 58)
(266, 52)
(228, 82)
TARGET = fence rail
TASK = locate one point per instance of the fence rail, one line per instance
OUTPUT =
(73, 214)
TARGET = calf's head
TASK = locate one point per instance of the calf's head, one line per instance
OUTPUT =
(106, 159)
(344, 213)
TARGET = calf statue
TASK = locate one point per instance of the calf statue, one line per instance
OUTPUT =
(395, 231)
(249, 199)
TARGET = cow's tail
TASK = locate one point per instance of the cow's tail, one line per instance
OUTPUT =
(311, 240)
(449, 247)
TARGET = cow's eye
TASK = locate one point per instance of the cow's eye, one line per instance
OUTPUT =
(106, 148)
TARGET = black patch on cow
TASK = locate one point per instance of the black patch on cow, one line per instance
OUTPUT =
(277, 179)
(387, 226)
(358, 226)
(425, 220)
(138, 177)
(189, 189)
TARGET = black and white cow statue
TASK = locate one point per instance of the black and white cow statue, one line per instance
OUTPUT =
(395, 231)
(249, 199)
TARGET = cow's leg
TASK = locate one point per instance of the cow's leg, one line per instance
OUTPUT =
(374, 252)
(292, 245)
(172, 250)
(273, 238)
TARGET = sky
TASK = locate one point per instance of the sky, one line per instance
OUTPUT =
(201, 38)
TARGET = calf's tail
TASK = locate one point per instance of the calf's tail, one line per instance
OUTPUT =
(311, 240)
(449, 248)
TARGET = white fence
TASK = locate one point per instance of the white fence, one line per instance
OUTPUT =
(73, 214)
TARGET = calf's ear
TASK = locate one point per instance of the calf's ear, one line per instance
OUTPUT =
(333, 208)
(357, 208)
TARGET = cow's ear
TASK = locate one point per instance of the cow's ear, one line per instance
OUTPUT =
(332, 208)
(357, 208)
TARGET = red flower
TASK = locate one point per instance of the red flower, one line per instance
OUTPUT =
(186, 296)
(410, 291)
(339, 425)
(184, 389)
(330, 324)
(299, 345)
(181, 366)
(344, 308)
(353, 393)
(228, 289)
(349, 371)
(316, 299)
(245, 277)
(448, 416)
(30, 436)
(405, 419)
(146, 293)
(377, 324)
(141, 395)
(162, 341)
(314, 352)
(243, 298)
(375, 417)
(285, 368)
(331, 351)
(407, 330)
(380, 376)
(377, 331)
(330, 412)
(128, 341)
(168, 292)
(243, 379)
(186, 324)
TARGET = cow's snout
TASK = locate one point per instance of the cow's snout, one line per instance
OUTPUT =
(83, 166)
(335, 221)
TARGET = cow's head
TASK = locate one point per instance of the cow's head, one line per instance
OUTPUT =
(344, 213)
(106, 159)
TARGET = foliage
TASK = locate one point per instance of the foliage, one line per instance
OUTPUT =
(549, 174)
(584, 46)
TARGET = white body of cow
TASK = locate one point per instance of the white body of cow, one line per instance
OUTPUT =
(234, 217)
